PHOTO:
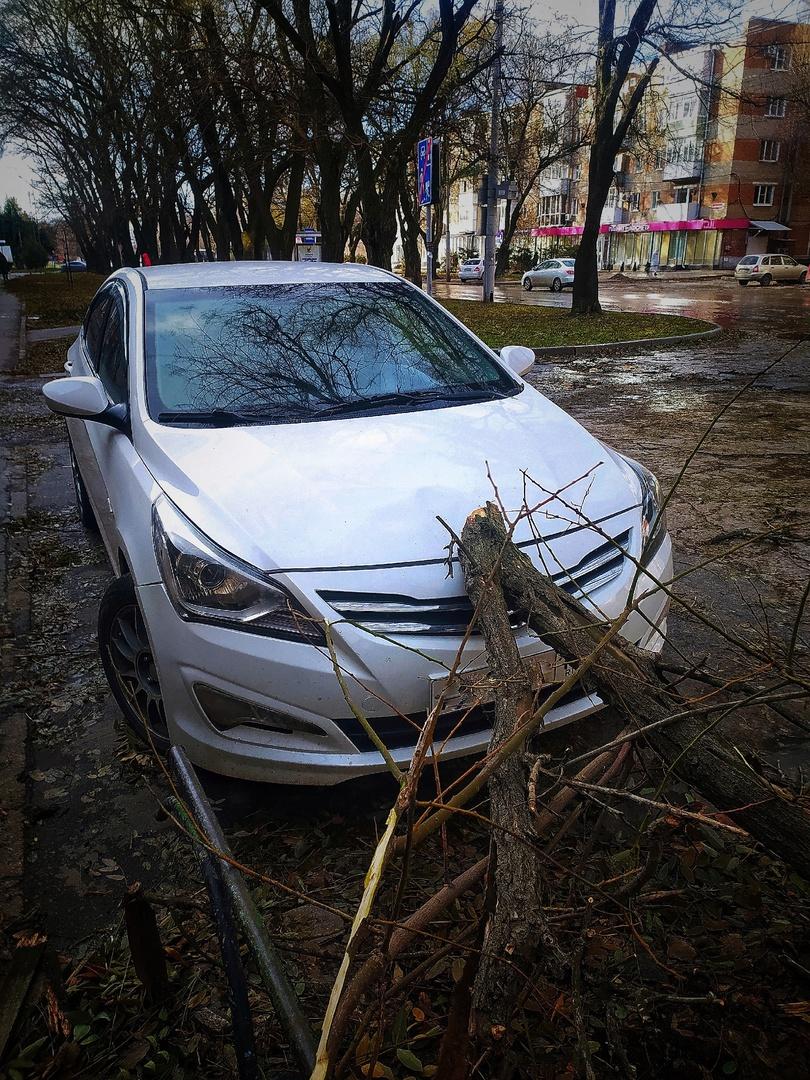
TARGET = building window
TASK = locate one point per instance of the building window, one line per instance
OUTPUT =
(635, 200)
(656, 199)
(763, 194)
(769, 150)
(683, 194)
(776, 106)
(687, 108)
(779, 56)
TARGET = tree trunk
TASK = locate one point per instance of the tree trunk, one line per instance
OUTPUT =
(585, 300)
(627, 678)
(517, 925)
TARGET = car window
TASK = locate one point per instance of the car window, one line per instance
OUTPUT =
(568, 262)
(290, 351)
(94, 326)
(749, 260)
(544, 265)
(787, 261)
(112, 362)
(554, 264)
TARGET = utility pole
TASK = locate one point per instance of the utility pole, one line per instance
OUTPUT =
(492, 175)
(429, 247)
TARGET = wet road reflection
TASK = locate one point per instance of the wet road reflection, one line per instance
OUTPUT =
(781, 309)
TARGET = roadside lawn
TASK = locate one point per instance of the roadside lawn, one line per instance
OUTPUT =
(545, 327)
(43, 357)
(53, 299)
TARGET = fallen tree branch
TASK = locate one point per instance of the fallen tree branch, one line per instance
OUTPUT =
(627, 678)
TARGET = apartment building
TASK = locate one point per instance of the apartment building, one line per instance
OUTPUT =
(718, 168)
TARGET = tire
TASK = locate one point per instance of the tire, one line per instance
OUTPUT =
(803, 278)
(742, 284)
(87, 514)
(766, 279)
(129, 665)
(556, 285)
(527, 284)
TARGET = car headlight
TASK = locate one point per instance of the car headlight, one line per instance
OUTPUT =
(206, 584)
(653, 518)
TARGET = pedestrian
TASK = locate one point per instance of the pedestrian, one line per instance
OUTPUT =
(655, 259)
(5, 266)
(647, 267)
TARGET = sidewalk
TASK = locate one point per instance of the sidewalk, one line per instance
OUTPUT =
(607, 276)
(14, 621)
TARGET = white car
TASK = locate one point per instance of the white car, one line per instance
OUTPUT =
(554, 274)
(265, 448)
(766, 269)
(471, 270)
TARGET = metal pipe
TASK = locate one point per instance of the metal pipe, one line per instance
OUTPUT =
(244, 1043)
(290, 1015)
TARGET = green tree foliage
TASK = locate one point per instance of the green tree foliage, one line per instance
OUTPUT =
(28, 238)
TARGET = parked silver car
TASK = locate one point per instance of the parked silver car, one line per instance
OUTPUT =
(769, 268)
(555, 274)
(471, 270)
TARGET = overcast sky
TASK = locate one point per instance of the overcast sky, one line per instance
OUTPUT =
(17, 176)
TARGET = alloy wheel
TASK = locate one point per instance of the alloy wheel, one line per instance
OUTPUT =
(134, 669)
(556, 285)
(527, 284)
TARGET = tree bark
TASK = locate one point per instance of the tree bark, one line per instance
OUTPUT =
(627, 678)
(517, 925)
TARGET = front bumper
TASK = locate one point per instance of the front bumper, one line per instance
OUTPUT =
(298, 681)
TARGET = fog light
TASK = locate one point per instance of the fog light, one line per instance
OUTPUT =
(226, 712)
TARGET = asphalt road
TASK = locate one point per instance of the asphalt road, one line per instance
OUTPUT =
(721, 300)
(89, 808)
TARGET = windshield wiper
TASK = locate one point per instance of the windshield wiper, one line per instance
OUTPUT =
(228, 417)
(416, 397)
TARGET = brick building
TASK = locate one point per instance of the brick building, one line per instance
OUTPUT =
(718, 168)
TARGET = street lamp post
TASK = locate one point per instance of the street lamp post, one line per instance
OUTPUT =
(492, 177)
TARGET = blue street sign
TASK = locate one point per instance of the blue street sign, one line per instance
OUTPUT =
(308, 238)
(424, 160)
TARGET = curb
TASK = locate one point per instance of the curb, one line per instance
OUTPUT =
(584, 349)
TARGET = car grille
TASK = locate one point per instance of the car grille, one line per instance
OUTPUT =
(397, 732)
(392, 613)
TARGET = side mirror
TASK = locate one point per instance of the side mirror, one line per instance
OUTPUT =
(84, 396)
(517, 357)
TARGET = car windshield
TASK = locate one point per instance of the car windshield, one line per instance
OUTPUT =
(749, 260)
(289, 352)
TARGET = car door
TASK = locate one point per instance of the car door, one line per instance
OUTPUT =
(554, 271)
(539, 276)
(791, 268)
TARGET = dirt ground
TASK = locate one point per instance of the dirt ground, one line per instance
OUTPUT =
(89, 801)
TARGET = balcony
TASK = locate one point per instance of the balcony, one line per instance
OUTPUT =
(682, 170)
(560, 185)
(679, 211)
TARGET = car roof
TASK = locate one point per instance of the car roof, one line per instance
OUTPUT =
(212, 274)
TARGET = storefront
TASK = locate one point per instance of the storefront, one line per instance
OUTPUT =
(677, 244)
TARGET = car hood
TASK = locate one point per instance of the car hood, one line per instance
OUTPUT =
(367, 491)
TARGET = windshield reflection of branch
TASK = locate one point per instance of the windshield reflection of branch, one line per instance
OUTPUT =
(303, 347)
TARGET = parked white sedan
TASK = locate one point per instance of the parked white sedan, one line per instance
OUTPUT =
(265, 448)
(554, 274)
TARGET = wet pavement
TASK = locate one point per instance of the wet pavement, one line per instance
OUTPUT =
(90, 800)
(784, 309)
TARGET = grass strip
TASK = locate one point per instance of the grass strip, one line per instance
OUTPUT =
(546, 327)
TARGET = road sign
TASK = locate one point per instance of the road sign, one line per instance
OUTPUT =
(424, 161)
